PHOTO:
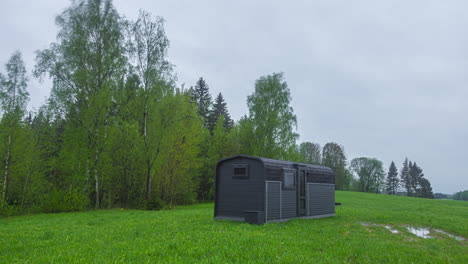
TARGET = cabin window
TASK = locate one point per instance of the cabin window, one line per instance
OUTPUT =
(241, 171)
(289, 179)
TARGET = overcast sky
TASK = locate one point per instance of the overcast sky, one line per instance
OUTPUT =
(386, 80)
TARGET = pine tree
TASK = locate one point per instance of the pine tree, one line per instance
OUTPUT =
(415, 175)
(392, 183)
(202, 97)
(425, 189)
(219, 109)
(405, 178)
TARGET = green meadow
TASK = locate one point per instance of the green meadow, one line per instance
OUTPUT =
(188, 234)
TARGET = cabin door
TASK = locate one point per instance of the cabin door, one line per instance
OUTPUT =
(301, 193)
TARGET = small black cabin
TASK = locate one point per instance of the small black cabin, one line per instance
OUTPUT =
(259, 190)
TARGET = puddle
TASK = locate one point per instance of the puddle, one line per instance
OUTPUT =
(459, 238)
(426, 233)
(394, 231)
(418, 231)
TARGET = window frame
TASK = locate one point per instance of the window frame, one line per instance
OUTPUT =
(240, 176)
(294, 185)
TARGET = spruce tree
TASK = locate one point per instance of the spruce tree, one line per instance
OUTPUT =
(392, 180)
(415, 176)
(425, 189)
(405, 179)
(219, 109)
(202, 97)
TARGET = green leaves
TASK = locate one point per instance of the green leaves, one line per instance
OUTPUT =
(310, 153)
(370, 172)
(273, 119)
(13, 94)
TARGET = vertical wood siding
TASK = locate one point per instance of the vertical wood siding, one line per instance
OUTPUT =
(321, 199)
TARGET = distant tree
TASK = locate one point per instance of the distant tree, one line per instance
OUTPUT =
(219, 109)
(412, 179)
(392, 182)
(405, 177)
(442, 196)
(272, 118)
(13, 99)
(415, 176)
(333, 156)
(200, 94)
(421, 187)
(310, 153)
(370, 172)
(425, 190)
(461, 196)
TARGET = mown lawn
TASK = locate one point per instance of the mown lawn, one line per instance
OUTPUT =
(189, 235)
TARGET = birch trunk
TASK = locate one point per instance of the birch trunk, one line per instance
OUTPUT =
(5, 176)
(85, 189)
(96, 162)
(96, 177)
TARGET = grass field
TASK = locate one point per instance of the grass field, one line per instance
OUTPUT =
(188, 234)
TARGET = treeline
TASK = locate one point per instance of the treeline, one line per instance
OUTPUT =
(366, 174)
(116, 130)
(461, 196)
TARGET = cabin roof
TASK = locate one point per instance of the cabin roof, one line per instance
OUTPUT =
(267, 162)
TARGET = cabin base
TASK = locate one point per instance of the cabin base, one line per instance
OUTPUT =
(240, 219)
(301, 217)
(236, 219)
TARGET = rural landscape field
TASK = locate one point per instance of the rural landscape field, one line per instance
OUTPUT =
(128, 127)
(188, 234)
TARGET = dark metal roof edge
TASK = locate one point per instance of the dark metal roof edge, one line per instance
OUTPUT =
(263, 160)
(240, 156)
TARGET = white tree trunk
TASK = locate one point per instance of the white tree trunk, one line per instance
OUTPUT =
(5, 176)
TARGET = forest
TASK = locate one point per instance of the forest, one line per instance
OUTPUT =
(118, 132)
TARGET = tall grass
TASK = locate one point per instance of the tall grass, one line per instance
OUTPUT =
(190, 235)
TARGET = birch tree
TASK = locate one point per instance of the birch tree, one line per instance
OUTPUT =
(84, 64)
(13, 99)
(148, 47)
(272, 117)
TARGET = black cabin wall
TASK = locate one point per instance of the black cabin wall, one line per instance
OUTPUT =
(234, 196)
(274, 173)
(321, 199)
(263, 190)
